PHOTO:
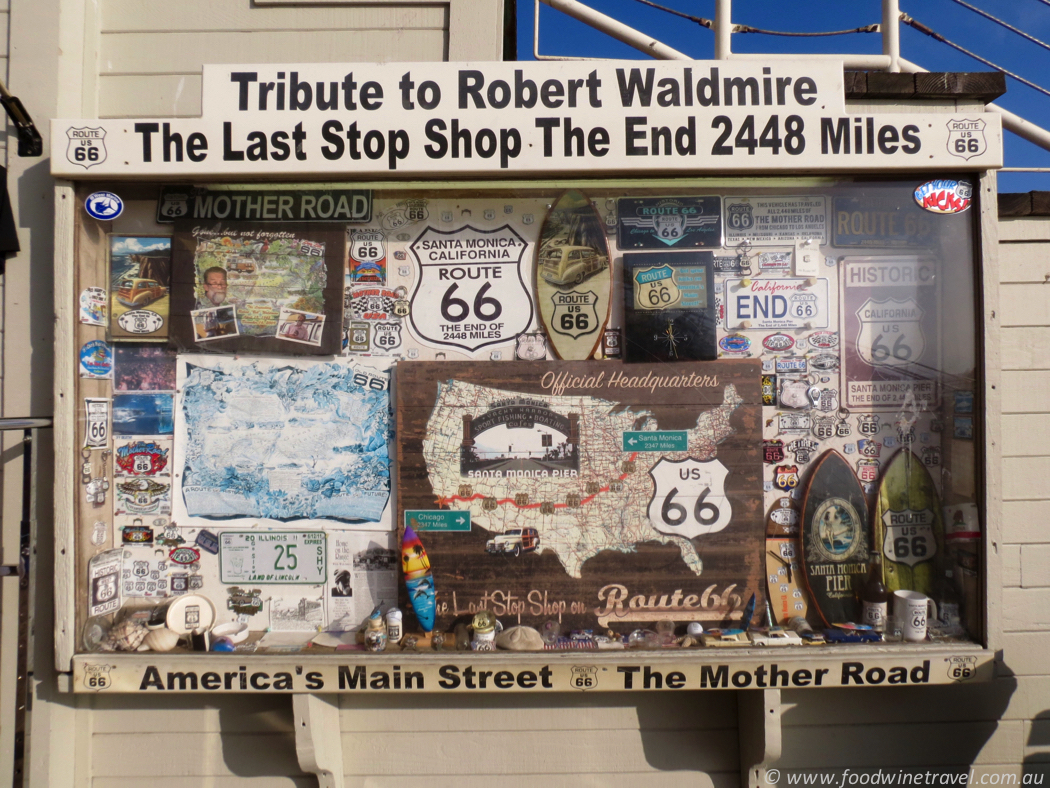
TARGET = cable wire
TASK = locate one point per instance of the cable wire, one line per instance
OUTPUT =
(698, 19)
(748, 29)
(938, 37)
(1008, 26)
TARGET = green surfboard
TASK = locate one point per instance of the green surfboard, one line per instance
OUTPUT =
(908, 526)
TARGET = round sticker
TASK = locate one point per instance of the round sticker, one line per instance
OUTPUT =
(96, 360)
(944, 196)
(104, 206)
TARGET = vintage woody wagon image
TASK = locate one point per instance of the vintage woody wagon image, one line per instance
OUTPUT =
(586, 422)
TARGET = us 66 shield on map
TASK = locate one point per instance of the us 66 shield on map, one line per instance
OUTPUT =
(689, 499)
(470, 290)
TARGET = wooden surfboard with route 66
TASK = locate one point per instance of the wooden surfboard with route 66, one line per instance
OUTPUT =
(784, 585)
(909, 528)
(573, 279)
(835, 539)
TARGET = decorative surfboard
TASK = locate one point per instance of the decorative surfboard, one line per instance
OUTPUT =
(909, 527)
(419, 580)
(835, 539)
(573, 280)
(784, 586)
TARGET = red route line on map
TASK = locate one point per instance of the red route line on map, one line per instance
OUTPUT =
(588, 499)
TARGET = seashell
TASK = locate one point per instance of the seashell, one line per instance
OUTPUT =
(126, 635)
(160, 640)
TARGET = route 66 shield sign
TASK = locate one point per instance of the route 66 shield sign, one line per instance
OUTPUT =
(469, 292)
(584, 677)
(785, 477)
(739, 216)
(689, 498)
(966, 138)
(87, 146)
(656, 288)
(386, 336)
(891, 332)
(96, 677)
(575, 313)
(367, 256)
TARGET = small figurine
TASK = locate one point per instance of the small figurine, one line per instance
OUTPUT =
(393, 625)
(484, 625)
(375, 634)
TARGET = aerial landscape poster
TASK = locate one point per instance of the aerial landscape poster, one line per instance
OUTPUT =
(300, 441)
(597, 495)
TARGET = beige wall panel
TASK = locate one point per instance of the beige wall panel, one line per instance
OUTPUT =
(1037, 743)
(1026, 392)
(1026, 478)
(1026, 436)
(887, 705)
(1025, 653)
(1034, 229)
(902, 744)
(192, 714)
(158, 96)
(1026, 348)
(1025, 522)
(229, 781)
(650, 711)
(549, 752)
(647, 779)
(1027, 610)
(1011, 554)
(156, 752)
(136, 16)
(621, 780)
(1030, 699)
(1025, 304)
(183, 53)
(1024, 262)
(1035, 567)
(5, 20)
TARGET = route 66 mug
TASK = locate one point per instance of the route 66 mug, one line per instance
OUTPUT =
(912, 611)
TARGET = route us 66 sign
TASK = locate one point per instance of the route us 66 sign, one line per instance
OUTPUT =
(891, 332)
(87, 146)
(583, 677)
(469, 292)
(966, 138)
(689, 498)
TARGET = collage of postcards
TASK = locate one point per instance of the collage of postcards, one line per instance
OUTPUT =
(531, 418)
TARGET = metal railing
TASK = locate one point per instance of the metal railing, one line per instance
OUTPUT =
(723, 28)
(26, 540)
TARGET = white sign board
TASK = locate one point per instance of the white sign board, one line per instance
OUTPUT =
(776, 303)
(272, 557)
(522, 118)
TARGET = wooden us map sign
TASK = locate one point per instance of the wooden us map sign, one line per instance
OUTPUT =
(600, 494)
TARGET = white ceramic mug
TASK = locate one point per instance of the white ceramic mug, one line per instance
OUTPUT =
(912, 611)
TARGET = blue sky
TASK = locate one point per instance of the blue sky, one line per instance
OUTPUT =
(562, 35)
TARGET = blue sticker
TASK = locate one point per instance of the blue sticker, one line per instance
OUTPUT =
(964, 402)
(96, 360)
(104, 206)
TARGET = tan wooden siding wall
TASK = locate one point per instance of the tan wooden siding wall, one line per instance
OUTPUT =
(150, 53)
